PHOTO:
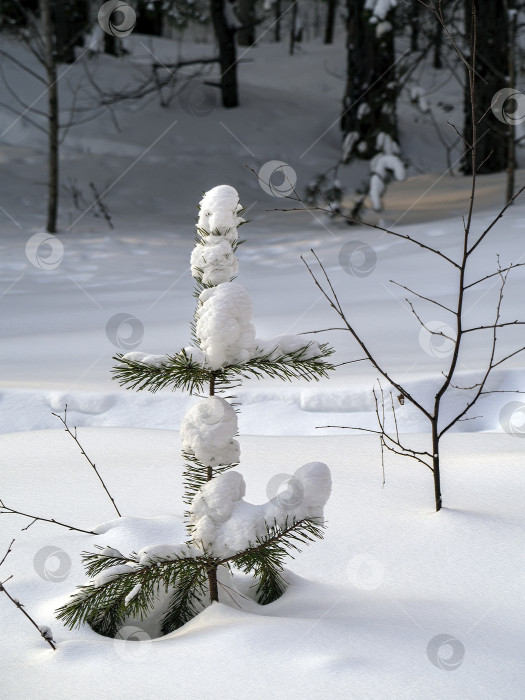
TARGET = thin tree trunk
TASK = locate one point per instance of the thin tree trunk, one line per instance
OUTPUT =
(209, 470)
(330, 21)
(435, 464)
(227, 54)
(491, 75)
(52, 101)
(212, 583)
(511, 138)
(212, 572)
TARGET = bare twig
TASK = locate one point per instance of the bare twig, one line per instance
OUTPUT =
(6, 510)
(43, 631)
(74, 436)
(9, 549)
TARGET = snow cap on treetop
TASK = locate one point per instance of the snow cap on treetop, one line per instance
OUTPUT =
(219, 210)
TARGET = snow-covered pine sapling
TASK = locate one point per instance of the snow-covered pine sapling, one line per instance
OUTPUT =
(171, 583)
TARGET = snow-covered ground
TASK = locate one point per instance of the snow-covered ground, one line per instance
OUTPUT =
(391, 575)
(363, 605)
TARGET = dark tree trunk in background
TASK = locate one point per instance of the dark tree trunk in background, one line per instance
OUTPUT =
(277, 21)
(331, 8)
(149, 17)
(438, 46)
(369, 104)
(110, 44)
(293, 29)
(70, 21)
(227, 53)
(491, 76)
(13, 15)
(246, 15)
(414, 25)
(52, 105)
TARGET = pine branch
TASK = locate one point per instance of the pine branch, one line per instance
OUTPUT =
(103, 603)
(265, 557)
(287, 367)
(189, 592)
(181, 372)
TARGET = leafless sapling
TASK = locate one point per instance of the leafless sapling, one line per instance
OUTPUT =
(467, 282)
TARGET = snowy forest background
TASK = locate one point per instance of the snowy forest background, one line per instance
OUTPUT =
(347, 129)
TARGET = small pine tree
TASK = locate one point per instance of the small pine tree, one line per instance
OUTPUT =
(223, 530)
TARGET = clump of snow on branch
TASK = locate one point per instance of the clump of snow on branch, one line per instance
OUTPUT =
(165, 552)
(278, 347)
(349, 142)
(207, 431)
(223, 324)
(418, 97)
(214, 262)
(146, 359)
(383, 166)
(224, 524)
(109, 574)
(379, 8)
